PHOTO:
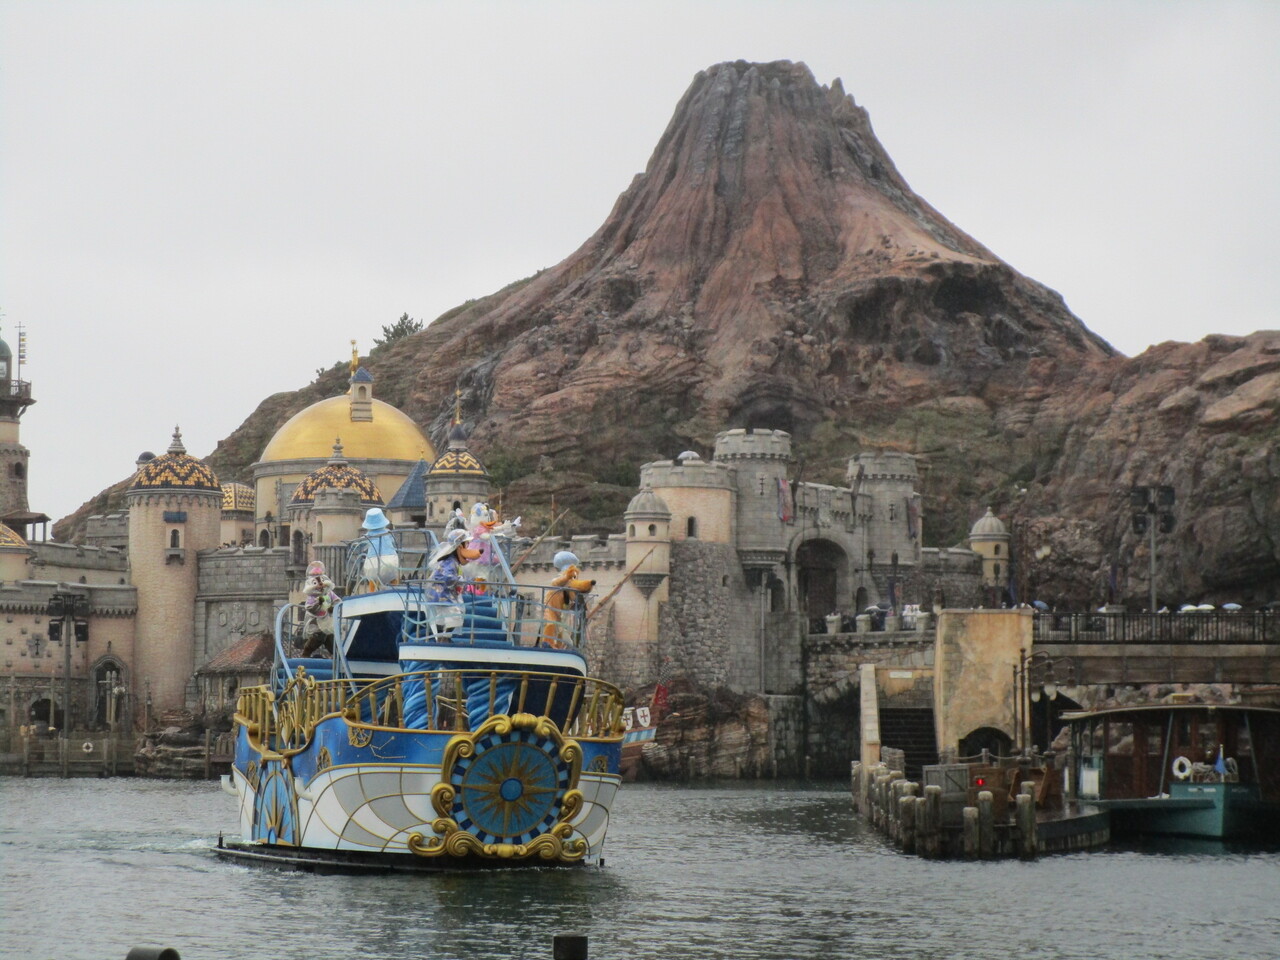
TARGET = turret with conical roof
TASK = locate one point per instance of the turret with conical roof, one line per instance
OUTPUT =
(456, 480)
(175, 511)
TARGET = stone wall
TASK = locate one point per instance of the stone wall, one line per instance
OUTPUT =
(978, 651)
(239, 591)
(904, 664)
(956, 571)
(701, 624)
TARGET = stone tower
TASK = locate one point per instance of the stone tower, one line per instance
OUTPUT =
(455, 481)
(175, 508)
(759, 460)
(15, 397)
(990, 540)
(884, 495)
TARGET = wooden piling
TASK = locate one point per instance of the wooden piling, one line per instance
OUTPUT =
(986, 825)
(1025, 817)
(969, 819)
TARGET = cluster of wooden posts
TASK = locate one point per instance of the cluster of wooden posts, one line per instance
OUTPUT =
(916, 820)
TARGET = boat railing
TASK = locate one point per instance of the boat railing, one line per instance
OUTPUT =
(495, 614)
(442, 701)
(1192, 626)
(411, 556)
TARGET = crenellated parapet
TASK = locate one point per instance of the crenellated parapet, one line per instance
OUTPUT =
(743, 444)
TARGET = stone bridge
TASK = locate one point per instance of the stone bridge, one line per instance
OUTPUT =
(1194, 647)
(974, 670)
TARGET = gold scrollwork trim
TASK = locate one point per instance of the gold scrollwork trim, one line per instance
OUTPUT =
(556, 844)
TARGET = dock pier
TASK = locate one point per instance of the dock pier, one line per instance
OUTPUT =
(937, 821)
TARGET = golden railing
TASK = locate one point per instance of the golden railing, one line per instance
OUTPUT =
(583, 707)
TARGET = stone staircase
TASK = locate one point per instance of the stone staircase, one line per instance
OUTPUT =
(912, 732)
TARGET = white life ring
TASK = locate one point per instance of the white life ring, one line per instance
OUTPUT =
(87, 746)
(1181, 768)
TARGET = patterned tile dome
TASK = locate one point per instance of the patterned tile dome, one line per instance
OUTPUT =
(337, 474)
(458, 463)
(9, 538)
(175, 470)
(237, 496)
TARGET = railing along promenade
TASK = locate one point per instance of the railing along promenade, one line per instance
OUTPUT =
(1193, 626)
(1201, 646)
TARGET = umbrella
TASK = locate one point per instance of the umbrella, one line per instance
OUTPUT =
(1232, 606)
(1039, 604)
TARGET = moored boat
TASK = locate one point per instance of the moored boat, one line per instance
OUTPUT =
(454, 723)
(1183, 769)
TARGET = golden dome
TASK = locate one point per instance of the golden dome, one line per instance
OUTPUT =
(237, 496)
(175, 470)
(308, 434)
(9, 538)
(337, 474)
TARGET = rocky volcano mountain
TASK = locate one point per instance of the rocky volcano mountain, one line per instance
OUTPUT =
(771, 268)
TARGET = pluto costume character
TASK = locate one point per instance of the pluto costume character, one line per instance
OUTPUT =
(572, 593)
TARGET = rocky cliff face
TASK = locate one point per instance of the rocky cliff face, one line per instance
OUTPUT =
(771, 268)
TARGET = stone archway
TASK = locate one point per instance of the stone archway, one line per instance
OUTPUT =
(996, 742)
(821, 569)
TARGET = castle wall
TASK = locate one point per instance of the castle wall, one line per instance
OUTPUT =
(239, 591)
(954, 571)
(72, 563)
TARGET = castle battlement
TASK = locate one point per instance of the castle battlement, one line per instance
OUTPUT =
(881, 467)
(753, 445)
(667, 474)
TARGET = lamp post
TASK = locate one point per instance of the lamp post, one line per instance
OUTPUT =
(1152, 507)
(67, 612)
(1046, 668)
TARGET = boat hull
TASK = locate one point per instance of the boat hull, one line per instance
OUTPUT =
(1217, 811)
(514, 791)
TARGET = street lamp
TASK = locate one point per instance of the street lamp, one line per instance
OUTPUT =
(68, 613)
(1050, 672)
(1152, 507)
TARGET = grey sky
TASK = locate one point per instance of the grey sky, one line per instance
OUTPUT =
(202, 203)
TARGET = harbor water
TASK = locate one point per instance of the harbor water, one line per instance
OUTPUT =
(92, 868)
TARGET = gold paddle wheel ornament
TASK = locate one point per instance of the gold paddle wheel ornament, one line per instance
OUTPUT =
(508, 790)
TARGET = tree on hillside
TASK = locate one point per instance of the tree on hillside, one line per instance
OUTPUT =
(398, 330)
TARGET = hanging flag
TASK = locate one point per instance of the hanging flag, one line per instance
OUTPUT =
(1221, 765)
(785, 511)
(913, 517)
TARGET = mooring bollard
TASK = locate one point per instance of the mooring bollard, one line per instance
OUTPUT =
(152, 953)
(969, 818)
(1026, 815)
(986, 824)
(569, 946)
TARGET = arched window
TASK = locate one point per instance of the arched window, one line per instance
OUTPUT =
(175, 539)
(299, 548)
(691, 528)
(997, 569)
(997, 546)
(19, 471)
(653, 529)
(319, 532)
(264, 539)
(631, 531)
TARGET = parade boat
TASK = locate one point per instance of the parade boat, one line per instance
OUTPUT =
(453, 723)
(1182, 769)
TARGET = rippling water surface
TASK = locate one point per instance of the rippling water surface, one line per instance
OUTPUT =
(94, 867)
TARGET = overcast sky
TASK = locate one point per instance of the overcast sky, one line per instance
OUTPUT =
(203, 203)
